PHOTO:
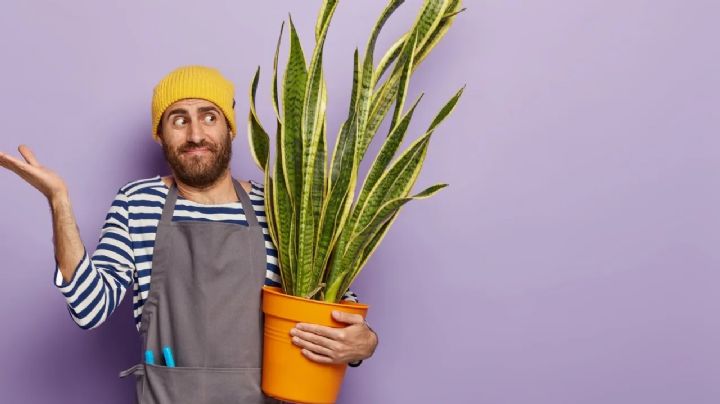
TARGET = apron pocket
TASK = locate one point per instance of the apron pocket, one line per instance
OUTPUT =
(179, 385)
(138, 371)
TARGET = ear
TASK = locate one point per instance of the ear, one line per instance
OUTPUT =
(158, 136)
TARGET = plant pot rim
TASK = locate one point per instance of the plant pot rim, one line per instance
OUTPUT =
(274, 290)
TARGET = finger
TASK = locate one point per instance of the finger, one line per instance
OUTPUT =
(13, 163)
(320, 350)
(333, 333)
(28, 155)
(347, 318)
(316, 339)
(315, 357)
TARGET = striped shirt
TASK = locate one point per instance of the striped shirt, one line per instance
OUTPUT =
(124, 253)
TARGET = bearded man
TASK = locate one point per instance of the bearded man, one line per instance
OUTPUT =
(195, 248)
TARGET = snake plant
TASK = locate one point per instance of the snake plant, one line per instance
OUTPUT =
(323, 235)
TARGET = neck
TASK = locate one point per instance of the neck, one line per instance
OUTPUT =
(220, 191)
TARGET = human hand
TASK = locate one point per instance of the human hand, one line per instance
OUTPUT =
(41, 178)
(330, 345)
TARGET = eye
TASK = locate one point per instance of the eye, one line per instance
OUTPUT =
(179, 121)
(209, 118)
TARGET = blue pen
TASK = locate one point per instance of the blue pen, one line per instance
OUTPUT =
(149, 357)
(169, 361)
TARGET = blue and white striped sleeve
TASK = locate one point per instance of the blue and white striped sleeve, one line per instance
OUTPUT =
(350, 296)
(99, 283)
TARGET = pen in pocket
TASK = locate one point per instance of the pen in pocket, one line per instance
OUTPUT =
(149, 357)
(169, 360)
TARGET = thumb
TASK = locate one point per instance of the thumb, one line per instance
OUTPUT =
(347, 318)
(28, 155)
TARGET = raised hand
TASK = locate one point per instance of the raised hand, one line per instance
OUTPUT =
(41, 178)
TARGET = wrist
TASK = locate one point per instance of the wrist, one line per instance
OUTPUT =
(59, 199)
(374, 336)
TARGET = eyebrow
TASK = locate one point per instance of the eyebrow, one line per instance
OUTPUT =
(184, 111)
(207, 109)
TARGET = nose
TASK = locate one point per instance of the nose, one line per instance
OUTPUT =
(196, 134)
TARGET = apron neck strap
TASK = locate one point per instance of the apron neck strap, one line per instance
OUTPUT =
(248, 209)
(246, 204)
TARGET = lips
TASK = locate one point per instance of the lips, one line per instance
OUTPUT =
(198, 150)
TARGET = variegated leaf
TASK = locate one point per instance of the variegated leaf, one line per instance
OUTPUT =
(257, 136)
(339, 285)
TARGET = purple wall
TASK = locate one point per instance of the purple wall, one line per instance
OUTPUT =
(574, 258)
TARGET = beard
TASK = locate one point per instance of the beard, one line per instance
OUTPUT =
(203, 170)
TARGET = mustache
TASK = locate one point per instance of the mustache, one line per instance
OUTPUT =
(189, 146)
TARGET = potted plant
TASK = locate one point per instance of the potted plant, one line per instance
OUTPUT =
(324, 236)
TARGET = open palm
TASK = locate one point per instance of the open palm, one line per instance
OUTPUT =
(42, 178)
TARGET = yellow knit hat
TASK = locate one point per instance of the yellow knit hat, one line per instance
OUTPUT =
(194, 82)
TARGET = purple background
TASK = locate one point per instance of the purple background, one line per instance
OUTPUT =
(574, 258)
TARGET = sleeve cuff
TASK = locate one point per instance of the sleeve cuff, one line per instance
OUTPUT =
(66, 287)
(350, 296)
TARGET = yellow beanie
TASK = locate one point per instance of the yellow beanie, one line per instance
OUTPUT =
(194, 82)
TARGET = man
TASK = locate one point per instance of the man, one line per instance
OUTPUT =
(202, 238)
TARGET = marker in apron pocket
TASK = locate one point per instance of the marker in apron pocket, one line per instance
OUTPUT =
(149, 357)
(169, 360)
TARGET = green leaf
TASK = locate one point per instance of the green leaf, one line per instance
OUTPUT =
(323, 240)
(394, 182)
(446, 110)
(356, 81)
(312, 122)
(405, 72)
(275, 80)
(342, 136)
(284, 220)
(374, 242)
(257, 136)
(453, 9)
(424, 28)
(337, 286)
(389, 57)
(388, 208)
(365, 95)
(291, 135)
(386, 154)
(337, 206)
(326, 11)
(292, 254)
(319, 190)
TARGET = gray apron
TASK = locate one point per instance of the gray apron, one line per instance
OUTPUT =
(205, 304)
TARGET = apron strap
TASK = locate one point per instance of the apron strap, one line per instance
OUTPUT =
(248, 209)
(169, 207)
(246, 204)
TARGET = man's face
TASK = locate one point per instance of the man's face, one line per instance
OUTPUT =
(196, 141)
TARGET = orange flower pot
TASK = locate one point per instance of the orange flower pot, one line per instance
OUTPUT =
(287, 374)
